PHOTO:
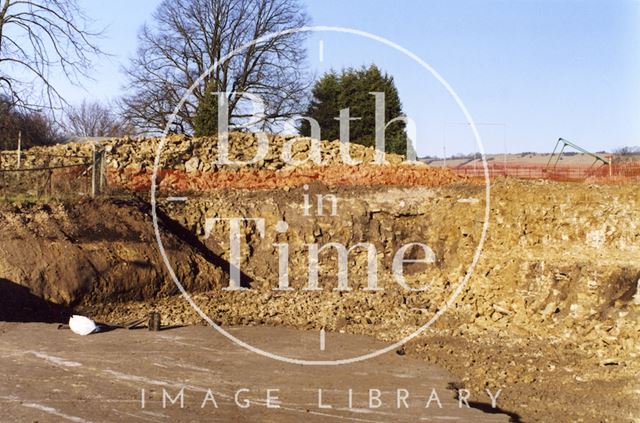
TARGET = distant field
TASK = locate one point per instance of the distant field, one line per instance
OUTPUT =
(570, 159)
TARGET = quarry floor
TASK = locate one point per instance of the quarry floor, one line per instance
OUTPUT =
(52, 375)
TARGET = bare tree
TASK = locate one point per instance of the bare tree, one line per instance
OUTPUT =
(93, 119)
(35, 128)
(188, 36)
(37, 36)
(627, 151)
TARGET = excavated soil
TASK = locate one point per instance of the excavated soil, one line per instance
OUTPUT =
(66, 254)
(550, 314)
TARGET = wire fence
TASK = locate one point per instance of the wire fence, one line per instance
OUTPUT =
(45, 176)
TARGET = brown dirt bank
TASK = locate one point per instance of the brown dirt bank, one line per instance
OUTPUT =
(66, 254)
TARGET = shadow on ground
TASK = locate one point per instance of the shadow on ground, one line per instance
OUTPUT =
(487, 408)
(18, 304)
(191, 239)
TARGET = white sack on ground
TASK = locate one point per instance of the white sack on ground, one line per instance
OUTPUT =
(82, 325)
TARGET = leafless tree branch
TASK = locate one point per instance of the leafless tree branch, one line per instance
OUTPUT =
(93, 119)
(188, 36)
(36, 37)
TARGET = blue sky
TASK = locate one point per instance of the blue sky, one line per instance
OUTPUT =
(538, 69)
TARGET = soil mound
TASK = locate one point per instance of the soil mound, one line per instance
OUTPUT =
(90, 252)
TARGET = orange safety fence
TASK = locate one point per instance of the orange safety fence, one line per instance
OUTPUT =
(618, 171)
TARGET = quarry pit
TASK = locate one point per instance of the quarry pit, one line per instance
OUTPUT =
(550, 313)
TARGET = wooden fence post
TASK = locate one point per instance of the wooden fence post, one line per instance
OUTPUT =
(97, 170)
(19, 148)
(611, 166)
(94, 173)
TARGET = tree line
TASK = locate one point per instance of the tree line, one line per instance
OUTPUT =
(228, 41)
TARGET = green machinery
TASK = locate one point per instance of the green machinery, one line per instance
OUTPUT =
(565, 144)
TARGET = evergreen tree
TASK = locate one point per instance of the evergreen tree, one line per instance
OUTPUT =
(205, 121)
(322, 107)
(350, 89)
